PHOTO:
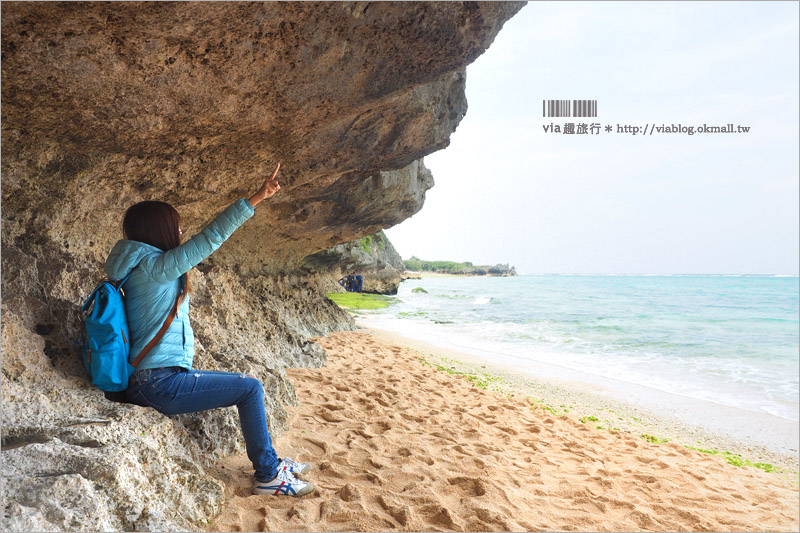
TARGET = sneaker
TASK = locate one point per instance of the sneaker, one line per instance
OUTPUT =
(294, 466)
(284, 484)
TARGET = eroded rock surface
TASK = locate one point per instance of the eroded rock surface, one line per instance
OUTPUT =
(107, 104)
(373, 257)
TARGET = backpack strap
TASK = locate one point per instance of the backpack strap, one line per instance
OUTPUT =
(121, 283)
(90, 299)
(116, 285)
(172, 314)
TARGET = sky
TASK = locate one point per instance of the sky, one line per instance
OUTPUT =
(506, 191)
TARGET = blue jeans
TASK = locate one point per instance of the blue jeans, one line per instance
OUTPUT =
(174, 390)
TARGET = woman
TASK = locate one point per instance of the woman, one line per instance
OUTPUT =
(157, 261)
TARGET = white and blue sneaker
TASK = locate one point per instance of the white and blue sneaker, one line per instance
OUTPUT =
(284, 484)
(294, 467)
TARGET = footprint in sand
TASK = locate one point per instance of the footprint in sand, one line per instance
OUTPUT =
(333, 511)
(330, 470)
(469, 486)
(330, 417)
(322, 446)
(404, 452)
(438, 516)
(494, 521)
(400, 513)
(350, 493)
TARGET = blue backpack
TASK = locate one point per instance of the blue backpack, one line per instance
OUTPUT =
(106, 351)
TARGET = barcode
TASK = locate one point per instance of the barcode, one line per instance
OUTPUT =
(569, 108)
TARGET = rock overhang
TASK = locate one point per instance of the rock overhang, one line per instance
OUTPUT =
(193, 103)
(107, 104)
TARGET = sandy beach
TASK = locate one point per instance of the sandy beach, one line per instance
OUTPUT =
(405, 439)
(618, 405)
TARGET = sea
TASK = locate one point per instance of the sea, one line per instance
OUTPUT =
(732, 340)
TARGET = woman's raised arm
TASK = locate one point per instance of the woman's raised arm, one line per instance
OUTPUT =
(174, 263)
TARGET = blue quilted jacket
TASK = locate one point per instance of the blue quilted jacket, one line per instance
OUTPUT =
(154, 286)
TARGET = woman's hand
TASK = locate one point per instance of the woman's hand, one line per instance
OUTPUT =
(269, 188)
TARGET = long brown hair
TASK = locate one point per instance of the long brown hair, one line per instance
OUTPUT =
(155, 223)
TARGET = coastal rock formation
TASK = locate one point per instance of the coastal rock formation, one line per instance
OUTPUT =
(373, 257)
(67, 450)
(501, 270)
(107, 104)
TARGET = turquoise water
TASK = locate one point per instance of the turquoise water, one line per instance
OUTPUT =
(733, 340)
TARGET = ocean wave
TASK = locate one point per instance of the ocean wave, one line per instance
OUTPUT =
(725, 338)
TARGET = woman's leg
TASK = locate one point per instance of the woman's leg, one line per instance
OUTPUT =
(175, 392)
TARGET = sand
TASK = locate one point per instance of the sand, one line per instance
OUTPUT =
(400, 445)
(624, 406)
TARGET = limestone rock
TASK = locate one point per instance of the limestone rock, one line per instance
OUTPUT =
(373, 257)
(107, 104)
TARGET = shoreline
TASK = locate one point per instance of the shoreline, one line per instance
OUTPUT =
(624, 406)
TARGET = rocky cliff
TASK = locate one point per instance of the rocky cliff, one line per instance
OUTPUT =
(373, 257)
(107, 104)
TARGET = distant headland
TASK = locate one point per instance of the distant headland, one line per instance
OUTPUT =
(416, 265)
